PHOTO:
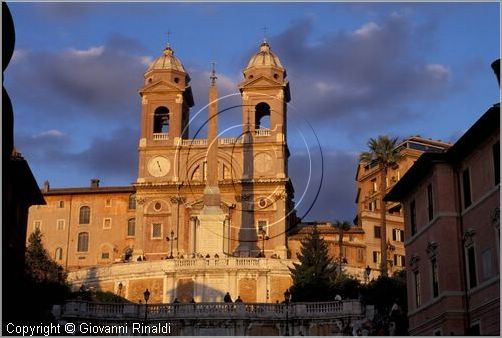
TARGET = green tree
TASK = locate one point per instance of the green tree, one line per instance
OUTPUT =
(383, 151)
(312, 276)
(39, 265)
(341, 226)
(347, 286)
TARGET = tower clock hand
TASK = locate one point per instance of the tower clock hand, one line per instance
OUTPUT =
(160, 168)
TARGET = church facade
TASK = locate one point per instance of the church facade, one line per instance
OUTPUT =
(220, 207)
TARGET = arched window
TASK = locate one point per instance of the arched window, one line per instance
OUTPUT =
(132, 201)
(59, 254)
(262, 116)
(161, 120)
(85, 215)
(131, 227)
(83, 242)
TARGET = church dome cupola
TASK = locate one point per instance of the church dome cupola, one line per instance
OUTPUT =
(264, 58)
(265, 63)
(167, 61)
(167, 67)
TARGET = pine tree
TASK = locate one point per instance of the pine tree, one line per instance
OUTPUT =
(39, 266)
(312, 276)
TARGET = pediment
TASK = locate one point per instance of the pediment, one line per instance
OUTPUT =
(261, 81)
(159, 86)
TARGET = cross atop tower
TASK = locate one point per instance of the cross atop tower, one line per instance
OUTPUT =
(265, 29)
(169, 38)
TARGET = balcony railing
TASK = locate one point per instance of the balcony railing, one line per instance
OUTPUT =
(86, 310)
(262, 132)
(160, 136)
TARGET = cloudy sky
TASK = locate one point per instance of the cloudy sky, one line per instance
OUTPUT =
(356, 71)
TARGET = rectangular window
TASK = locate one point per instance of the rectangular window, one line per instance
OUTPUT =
(486, 258)
(105, 255)
(418, 291)
(435, 278)
(430, 208)
(398, 260)
(372, 206)
(83, 242)
(108, 203)
(131, 227)
(496, 162)
(107, 223)
(156, 230)
(397, 235)
(466, 187)
(413, 218)
(475, 330)
(60, 224)
(344, 251)
(377, 231)
(377, 257)
(60, 204)
(360, 255)
(351, 238)
(471, 262)
(374, 186)
(37, 225)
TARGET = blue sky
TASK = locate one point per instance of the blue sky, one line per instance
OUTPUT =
(356, 70)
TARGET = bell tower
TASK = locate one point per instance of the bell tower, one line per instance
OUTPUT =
(265, 94)
(266, 188)
(166, 98)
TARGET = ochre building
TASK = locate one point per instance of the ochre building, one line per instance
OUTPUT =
(205, 216)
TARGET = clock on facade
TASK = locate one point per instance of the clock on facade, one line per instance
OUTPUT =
(159, 166)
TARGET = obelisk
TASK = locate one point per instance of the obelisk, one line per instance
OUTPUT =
(212, 216)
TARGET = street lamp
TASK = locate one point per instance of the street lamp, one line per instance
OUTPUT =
(264, 237)
(287, 298)
(367, 272)
(146, 295)
(171, 239)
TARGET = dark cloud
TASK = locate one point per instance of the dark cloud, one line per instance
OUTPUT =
(337, 190)
(64, 11)
(354, 77)
(98, 81)
(113, 158)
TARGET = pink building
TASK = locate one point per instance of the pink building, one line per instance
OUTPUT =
(451, 205)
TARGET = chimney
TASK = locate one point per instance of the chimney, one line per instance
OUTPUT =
(46, 186)
(496, 69)
(94, 183)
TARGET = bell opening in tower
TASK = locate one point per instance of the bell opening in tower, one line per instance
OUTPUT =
(161, 120)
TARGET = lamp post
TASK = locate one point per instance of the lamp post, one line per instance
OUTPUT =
(287, 298)
(146, 295)
(264, 237)
(171, 239)
(367, 272)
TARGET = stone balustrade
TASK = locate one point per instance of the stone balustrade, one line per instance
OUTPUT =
(160, 267)
(155, 312)
(262, 132)
(160, 136)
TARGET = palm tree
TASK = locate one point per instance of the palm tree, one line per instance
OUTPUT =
(341, 226)
(383, 151)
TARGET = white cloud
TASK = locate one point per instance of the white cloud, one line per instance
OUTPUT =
(324, 87)
(367, 30)
(438, 71)
(50, 133)
(85, 53)
(145, 60)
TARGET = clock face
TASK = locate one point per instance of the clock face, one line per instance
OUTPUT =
(159, 166)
